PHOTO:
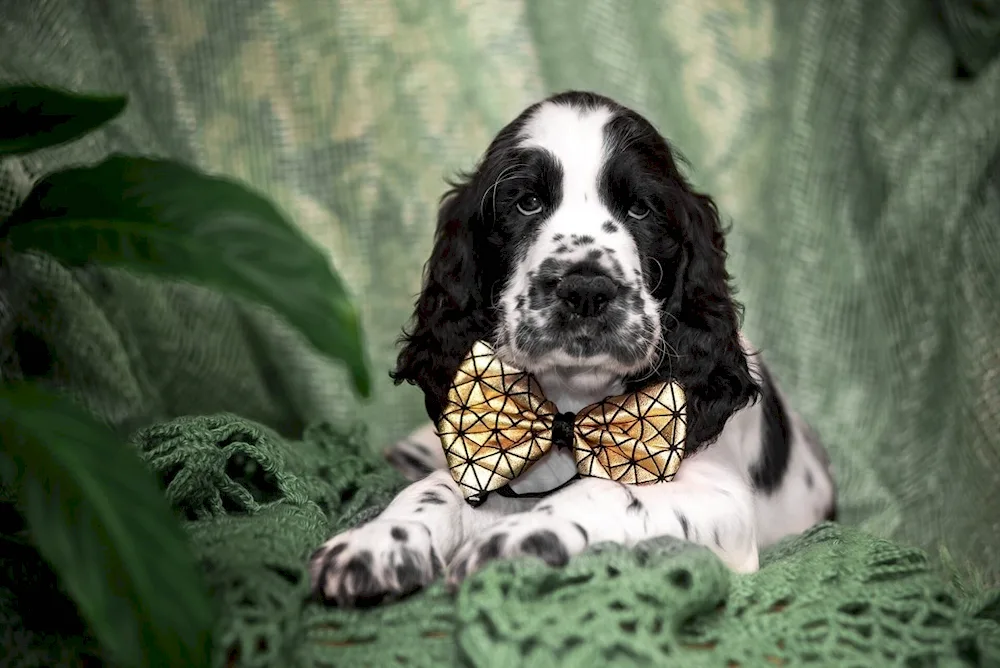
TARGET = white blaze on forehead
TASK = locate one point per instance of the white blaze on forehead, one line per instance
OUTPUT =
(575, 137)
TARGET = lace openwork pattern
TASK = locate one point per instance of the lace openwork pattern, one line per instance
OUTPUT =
(256, 506)
(259, 506)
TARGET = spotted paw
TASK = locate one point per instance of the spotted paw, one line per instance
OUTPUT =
(548, 538)
(374, 563)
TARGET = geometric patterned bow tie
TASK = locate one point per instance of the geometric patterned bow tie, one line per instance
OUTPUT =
(496, 424)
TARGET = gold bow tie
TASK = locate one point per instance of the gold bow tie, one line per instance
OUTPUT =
(497, 423)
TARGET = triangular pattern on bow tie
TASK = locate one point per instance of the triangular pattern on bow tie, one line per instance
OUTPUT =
(497, 423)
(635, 438)
(489, 426)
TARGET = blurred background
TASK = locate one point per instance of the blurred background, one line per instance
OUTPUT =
(853, 147)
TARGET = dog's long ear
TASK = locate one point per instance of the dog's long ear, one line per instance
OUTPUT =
(452, 311)
(701, 323)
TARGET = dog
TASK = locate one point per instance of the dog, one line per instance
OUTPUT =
(584, 256)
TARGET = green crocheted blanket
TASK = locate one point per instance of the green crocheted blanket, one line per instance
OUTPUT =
(257, 504)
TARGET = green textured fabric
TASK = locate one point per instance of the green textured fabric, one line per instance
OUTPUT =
(257, 504)
(854, 146)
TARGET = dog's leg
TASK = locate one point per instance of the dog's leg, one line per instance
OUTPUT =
(405, 547)
(401, 550)
(418, 453)
(708, 503)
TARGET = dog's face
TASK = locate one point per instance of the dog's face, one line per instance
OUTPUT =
(579, 210)
(579, 249)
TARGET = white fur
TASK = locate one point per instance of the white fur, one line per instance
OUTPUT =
(711, 501)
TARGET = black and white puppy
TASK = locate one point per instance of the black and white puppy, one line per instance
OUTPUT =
(583, 254)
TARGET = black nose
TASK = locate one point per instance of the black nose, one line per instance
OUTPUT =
(586, 293)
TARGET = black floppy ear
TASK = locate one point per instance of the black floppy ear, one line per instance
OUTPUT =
(702, 325)
(451, 312)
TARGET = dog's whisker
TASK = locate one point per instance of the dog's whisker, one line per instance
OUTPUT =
(660, 279)
(504, 176)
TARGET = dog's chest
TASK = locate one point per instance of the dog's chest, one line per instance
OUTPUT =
(552, 470)
(578, 391)
(558, 466)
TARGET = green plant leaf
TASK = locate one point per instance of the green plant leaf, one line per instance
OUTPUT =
(33, 117)
(163, 218)
(97, 515)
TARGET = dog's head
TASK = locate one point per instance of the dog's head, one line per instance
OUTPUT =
(579, 249)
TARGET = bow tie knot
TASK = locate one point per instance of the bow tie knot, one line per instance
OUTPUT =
(497, 423)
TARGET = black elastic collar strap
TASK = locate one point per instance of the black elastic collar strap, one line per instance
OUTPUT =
(507, 492)
(562, 437)
(478, 499)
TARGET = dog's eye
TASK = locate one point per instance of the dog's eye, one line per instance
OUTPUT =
(529, 205)
(638, 211)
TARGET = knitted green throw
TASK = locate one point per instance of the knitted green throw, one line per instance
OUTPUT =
(256, 506)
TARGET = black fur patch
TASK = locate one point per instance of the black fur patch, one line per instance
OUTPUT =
(582, 239)
(491, 549)
(331, 554)
(776, 438)
(404, 461)
(433, 498)
(546, 546)
(358, 584)
(461, 569)
(685, 527)
(635, 505)
(409, 575)
(609, 227)
(436, 563)
(399, 533)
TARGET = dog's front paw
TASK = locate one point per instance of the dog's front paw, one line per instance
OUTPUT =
(375, 562)
(551, 539)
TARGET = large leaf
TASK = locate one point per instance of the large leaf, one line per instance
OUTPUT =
(96, 514)
(32, 117)
(161, 217)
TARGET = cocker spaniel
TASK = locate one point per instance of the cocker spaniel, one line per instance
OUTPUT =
(580, 252)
